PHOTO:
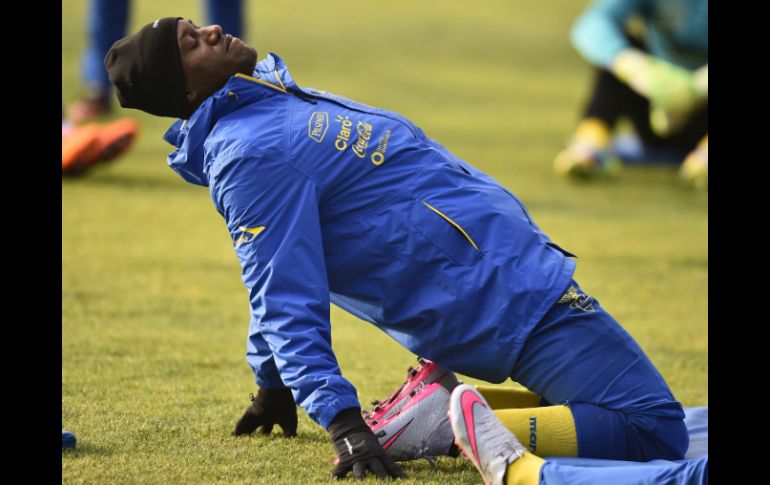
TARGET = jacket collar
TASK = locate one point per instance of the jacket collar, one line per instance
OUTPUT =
(271, 77)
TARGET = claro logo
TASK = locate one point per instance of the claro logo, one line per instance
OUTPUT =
(317, 125)
(343, 137)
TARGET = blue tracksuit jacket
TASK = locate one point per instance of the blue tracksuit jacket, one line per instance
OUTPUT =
(330, 200)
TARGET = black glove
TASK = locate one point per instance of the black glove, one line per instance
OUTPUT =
(358, 449)
(269, 407)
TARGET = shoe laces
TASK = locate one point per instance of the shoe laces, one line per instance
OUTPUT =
(411, 372)
(495, 437)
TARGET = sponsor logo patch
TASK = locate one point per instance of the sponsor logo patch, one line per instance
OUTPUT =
(533, 434)
(317, 125)
(364, 130)
(249, 234)
(343, 137)
(356, 135)
(378, 156)
(577, 300)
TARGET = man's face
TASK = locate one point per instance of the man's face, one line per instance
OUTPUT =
(210, 58)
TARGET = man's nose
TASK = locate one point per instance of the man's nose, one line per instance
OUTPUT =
(212, 33)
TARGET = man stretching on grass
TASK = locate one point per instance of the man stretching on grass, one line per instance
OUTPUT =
(329, 200)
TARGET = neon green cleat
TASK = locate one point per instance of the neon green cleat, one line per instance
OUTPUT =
(695, 168)
(587, 156)
(581, 161)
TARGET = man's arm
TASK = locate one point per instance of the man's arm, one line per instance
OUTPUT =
(260, 359)
(273, 216)
(272, 211)
(598, 34)
(274, 403)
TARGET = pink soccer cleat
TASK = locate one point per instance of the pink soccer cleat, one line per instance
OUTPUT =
(420, 429)
(426, 373)
(487, 443)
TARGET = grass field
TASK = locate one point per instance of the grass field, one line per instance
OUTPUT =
(154, 315)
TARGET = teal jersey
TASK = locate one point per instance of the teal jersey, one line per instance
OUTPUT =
(674, 30)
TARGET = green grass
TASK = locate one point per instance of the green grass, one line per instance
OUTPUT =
(154, 316)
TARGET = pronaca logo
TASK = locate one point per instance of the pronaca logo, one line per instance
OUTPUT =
(317, 125)
(249, 234)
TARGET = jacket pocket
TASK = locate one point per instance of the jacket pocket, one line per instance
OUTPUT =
(446, 233)
(561, 249)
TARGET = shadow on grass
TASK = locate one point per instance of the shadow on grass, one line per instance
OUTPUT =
(126, 181)
(316, 438)
(691, 262)
(652, 262)
(302, 438)
(452, 470)
(87, 449)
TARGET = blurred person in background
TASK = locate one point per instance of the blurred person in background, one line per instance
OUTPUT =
(107, 22)
(651, 58)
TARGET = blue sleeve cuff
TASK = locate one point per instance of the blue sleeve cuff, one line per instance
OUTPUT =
(328, 414)
(269, 381)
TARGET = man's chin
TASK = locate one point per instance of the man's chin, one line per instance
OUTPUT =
(251, 63)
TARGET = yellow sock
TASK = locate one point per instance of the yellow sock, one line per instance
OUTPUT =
(524, 471)
(699, 156)
(593, 132)
(545, 431)
(703, 148)
(704, 142)
(508, 397)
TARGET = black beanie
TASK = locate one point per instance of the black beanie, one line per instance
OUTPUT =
(146, 70)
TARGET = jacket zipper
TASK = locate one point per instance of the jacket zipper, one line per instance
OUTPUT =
(332, 99)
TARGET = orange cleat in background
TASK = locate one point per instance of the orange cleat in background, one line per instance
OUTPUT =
(84, 146)
(78, 148)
